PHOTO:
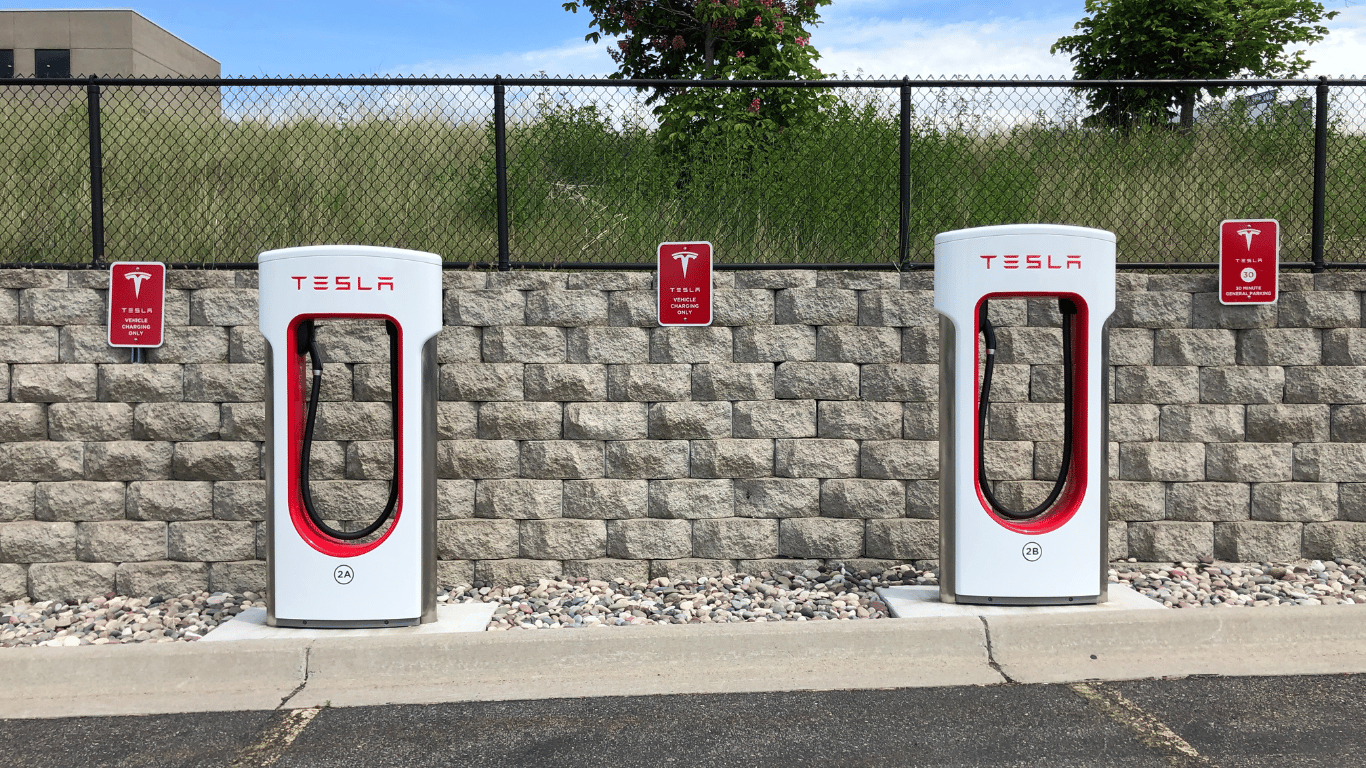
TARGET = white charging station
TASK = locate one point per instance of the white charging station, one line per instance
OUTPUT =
(1055, 552)
(385, 573)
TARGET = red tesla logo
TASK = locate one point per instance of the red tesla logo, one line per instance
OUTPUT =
(341, 283)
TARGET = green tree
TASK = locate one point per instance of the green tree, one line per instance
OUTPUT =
(715, 40)
(1168, 39)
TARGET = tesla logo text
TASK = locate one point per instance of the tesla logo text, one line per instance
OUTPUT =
(341, 283)
(1248, 232)
(1034, 261)
(137, 278)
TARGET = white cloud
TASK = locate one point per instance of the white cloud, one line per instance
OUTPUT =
(573, 58)
(1343, 52)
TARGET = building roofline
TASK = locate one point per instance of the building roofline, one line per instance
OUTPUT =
(106, 10)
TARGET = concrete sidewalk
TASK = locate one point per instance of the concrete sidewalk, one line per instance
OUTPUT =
(617, 661)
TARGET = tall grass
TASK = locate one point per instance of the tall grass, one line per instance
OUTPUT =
(587, 182)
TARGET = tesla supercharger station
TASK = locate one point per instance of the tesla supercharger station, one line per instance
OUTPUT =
(384, 573)
(1052, 550)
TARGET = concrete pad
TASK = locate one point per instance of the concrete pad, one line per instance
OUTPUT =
(629, 661)
(1130, 645)
(918, 602)
(250, 624)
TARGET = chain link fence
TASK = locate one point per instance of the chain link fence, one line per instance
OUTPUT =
(574, 172)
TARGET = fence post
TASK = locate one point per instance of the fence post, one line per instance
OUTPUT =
(92, 95)
(500, 148)
(1320, 170)
(905, 226)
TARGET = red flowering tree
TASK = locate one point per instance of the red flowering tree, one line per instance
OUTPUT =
(715, 40)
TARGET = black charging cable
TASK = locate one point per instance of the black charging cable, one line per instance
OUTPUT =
(1069, 314)
(308, 343)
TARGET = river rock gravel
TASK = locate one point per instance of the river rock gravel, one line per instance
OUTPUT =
(825, 594)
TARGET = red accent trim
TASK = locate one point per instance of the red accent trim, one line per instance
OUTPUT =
(1070, 501)
(298, 371)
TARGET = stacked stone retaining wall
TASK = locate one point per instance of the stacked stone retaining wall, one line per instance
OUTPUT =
(577, 437)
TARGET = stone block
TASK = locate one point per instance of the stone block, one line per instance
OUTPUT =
(608, 281)
(899, 382)
(1028, 346)
(646, 459)
(896, 308)
(632, 309)
(225, 383)
(1170, 542)
(859, 420)
(90, 422)
(903, 539)
(1005, 313)
(70, 581)
(1325, 384)
(33, 541)
(239, 577)
(1131, 346)
(820, 458)
(459, 344)
(775, 343)
(481, 382)
(606, 499)
(354, 501)
(1207, 502)
(454, 573)
(735, 537)
(777, 498)
(42, 460)
(775, 279)
(1281, 346)
(1160, 384)
(1248, 462)
(13, 582)
(369, 382)
(194, 279)
(169, 500)
(457, 421)
(61, 306)
(219, 460)
(691, 499)
(238, 500)
(774, 418)
(223, 306)
(858, 344)
(34, 278)
(1134, 422)
(1245, 542)
(1137, 501)
(608, 345)
(527, 280)
(920, 421)
(161, 578)
(243, 421)
(327, 461)
(78, 501)
(899, 459)
(565, 383)
(922, 499)
(128, 460)
(690, 420)
(121, 541)
(920, 345)
(143, 383)
(1008, 460)
(28, 345)
(1201, 423)
(211, 541)
(1162, 462)
(178, 421)
(1194, 346)
(369, 460)
(743, 307)
(863, 499)
(732, 381)
(454, 499)
(859, 280)
(519, 344)
(1025, 421)
(58, 383)
(1207, 312)
(820, 537)
(1328, 463)
(477, 539)
(1242, 384)
(649, 539)
(516, 571)
(816, 306)
(609, 569)
(1188, 283)
(1117, 542)
(88, 344)
(691, 568)
(1276, 423)
(517, 499)
(566, 309)
(562, 459)
(1295, 502)
(192, 344)
(246, 345)
(1342, 346)
(484, 307)
(691, 345)
(649, 383)
(563, 539)
(732, 458)
(817, 381)
(1318, 309)
(605, 421)
(16, 501)
(1324, 541)
(520, 421)
(24, 422)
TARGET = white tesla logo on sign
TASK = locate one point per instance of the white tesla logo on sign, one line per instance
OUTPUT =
(683, 258)
(1247, 233)
(137, 278)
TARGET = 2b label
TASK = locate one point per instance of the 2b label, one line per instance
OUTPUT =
(1032, 551)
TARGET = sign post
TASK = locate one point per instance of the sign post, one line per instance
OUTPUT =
(137, 304)
(683, 283)
(1249, 261)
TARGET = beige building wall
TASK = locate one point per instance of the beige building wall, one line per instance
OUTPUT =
(102, 42)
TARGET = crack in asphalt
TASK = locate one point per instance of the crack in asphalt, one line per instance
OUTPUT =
(1151, 732)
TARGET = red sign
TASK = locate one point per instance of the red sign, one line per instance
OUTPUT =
(137, 303)
(684, 283)
(1249, 261)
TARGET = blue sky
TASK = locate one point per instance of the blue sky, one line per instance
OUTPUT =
(477, 37)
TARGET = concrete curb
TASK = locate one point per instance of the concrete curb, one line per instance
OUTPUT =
(709, 658)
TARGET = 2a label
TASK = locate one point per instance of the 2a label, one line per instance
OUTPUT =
(343, 574)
